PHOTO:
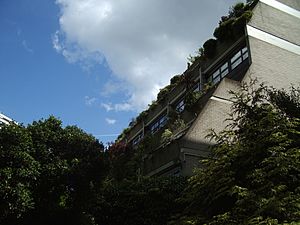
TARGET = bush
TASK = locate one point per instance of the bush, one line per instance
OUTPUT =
(210, 48)
(252, 176)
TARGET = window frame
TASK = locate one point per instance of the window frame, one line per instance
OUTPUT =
(180, 106)
(137, 138)
(222, 71)
(159, 123)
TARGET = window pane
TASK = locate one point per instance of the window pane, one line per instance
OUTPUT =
(237, 55)
(196, 87)
(224, 67)
(137, 139)
(236, 63)
(163, 121)
(180, 106)
(215, 74)
(224, 73)
(245, 56)
(216, 80)
(244, 50)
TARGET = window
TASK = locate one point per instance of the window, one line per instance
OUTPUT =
(219, 73)
(223, 70)
(138, 138)
(180, 106)
(159, 123)
(197, 87)
(239, 57)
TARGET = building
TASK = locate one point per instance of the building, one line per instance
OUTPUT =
(4, 119)
(268, 49)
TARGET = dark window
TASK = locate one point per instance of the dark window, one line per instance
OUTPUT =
(239, 57)
(138, 138)
(196, 87)
(219, 73)
(223, 70)
(180, 106)
(159, 123)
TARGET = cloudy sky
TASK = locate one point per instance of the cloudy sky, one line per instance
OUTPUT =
(96, 63)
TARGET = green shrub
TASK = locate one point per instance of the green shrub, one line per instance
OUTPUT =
(210, 48)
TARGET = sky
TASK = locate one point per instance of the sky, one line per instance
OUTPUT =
(96, 63)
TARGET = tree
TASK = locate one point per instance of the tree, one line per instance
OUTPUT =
(18, 172)
(149, 201)
(51, 173)
(253, 176)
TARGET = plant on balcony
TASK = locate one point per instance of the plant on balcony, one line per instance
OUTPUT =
(209, 48)
(232, 26)
(123, 134)
(175, 79)
(166, 136)
(192, 97)
(175, 126)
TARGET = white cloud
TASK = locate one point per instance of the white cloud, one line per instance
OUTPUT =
(89, 100)
(110, 121)
(123, 107)
(117, 107)
(74, 52)
(112, 87)
(107, 106)
(145, 43)
(26, 47)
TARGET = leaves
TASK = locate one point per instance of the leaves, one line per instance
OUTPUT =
(46, 171)
(253, 176)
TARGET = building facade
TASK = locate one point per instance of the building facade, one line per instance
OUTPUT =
(4, 119)
(268, 50)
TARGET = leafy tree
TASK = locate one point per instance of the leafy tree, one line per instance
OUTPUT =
(150, 201)
(51, 173)
(18, 172)
(123, 161)
(253, 176)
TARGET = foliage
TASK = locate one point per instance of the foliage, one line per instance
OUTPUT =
(237, 10)
(48, 173)
(166, 136)
(141, 116)
(224, 31)
(253, 175)
(123, 134)
(210, 48)
(199, 55)
(175, 79)
(164, 92)
(123, 163)
(18, 170)
(232, 26)
(149, 201)
(193, 96)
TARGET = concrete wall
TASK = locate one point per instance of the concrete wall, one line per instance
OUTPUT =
(276, 22)
(291, 3)
(273, 65)
(195, 144)
(213, 114)
(275, 55)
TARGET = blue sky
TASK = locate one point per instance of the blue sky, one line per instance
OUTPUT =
(95, 63)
